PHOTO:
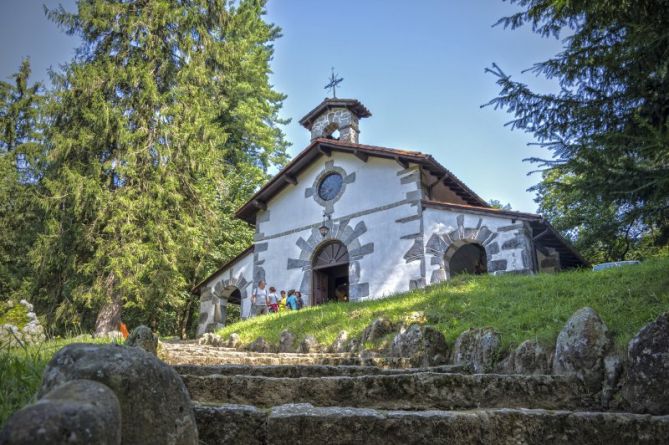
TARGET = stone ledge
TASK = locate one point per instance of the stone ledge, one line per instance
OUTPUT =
(306, 425)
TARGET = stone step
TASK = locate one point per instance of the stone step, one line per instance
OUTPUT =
(303, 424)
(414, 391)
(295, 371)
(190, 354)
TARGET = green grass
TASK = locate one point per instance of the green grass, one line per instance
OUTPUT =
(517, 306)
(21, 370)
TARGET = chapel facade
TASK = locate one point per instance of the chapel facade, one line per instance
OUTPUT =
(349, 222)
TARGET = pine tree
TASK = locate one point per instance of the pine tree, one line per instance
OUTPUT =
(20, 146)
(163, 123)
(608, 125)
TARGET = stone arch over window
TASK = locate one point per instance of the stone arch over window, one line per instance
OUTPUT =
(465, 256)
(331, 131)
(443, 246)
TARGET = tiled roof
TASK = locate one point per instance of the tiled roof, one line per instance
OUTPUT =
(319, 146)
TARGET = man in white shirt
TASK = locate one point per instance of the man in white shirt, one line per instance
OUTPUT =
(259, 299)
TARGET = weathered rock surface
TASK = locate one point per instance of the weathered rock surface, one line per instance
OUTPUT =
(210, 339)
(155, 405)
(340, 344)
(287, 342)
(647, 385)
(234, 341)
(305, 424)
(259, 345)
(477, 348)
(296, 371)
(399, 391)
(233, 424)
(142, 337)
(581, 347)
(423, 345)
(309, 345)
(528, 358)
(377, 329)
(76, 412)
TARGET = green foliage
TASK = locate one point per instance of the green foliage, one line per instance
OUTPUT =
(21, 370)
(13, 313)
(162, 125)
(608, 125)
(20, 218)
(519, 307)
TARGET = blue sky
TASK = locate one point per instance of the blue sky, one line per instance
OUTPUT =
(418, 66)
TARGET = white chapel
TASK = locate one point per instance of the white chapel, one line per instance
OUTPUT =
(363, 222)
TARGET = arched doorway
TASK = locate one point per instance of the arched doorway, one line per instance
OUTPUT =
(330, 273)
(469, 258)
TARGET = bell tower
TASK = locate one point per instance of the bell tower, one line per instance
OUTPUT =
(336, 119)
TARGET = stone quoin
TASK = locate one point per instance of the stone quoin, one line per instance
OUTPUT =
(349, 222)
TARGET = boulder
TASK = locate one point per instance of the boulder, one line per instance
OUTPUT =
(287, 342)
(423, 345)
(478, 349)
(209, 339)
(646, 388)
(142, 337)
(155, 405)
(259, 345)
(234, 341)
(581, 347)
(309, 345)
(530, 358)
(376, 330)
(340, 344)
(76, 412)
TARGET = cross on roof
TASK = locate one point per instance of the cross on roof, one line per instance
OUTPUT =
(334, 81)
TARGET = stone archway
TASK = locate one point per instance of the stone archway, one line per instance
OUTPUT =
(442, 246)
(466, 257)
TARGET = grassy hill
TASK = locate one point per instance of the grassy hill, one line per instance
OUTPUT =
(519, 307)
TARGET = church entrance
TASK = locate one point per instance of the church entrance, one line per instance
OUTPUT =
(330, 273)
(470, 259)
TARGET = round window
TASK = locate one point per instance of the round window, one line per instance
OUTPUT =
(330, 186)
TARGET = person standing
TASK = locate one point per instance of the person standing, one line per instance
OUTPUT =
(291, 301)
(282, 302)
(273, 300)
(259, 299)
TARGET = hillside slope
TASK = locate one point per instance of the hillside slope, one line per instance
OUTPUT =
(519, 307)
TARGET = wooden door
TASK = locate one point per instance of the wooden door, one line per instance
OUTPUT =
(320, 287)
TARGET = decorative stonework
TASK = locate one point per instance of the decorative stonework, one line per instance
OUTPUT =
(341, 119)
(213, 302)
(348, 235)
(328, 170)
(442, 247)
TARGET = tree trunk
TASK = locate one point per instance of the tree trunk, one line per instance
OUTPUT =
(185, 319)
(109, 316)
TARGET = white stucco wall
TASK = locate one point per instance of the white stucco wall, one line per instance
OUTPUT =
(380, 200)
(238, 274)
(506, 240)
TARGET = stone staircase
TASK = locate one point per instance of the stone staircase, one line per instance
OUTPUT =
(283, 398)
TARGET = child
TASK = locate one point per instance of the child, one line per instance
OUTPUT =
(282, 302)
(291, 301)
(300, 301)
(273, 301)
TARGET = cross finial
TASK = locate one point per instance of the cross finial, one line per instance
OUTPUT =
(334, 81)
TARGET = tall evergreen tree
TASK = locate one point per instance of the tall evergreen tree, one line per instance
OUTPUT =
(163, 123)
(20, 146)
(608, 125)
